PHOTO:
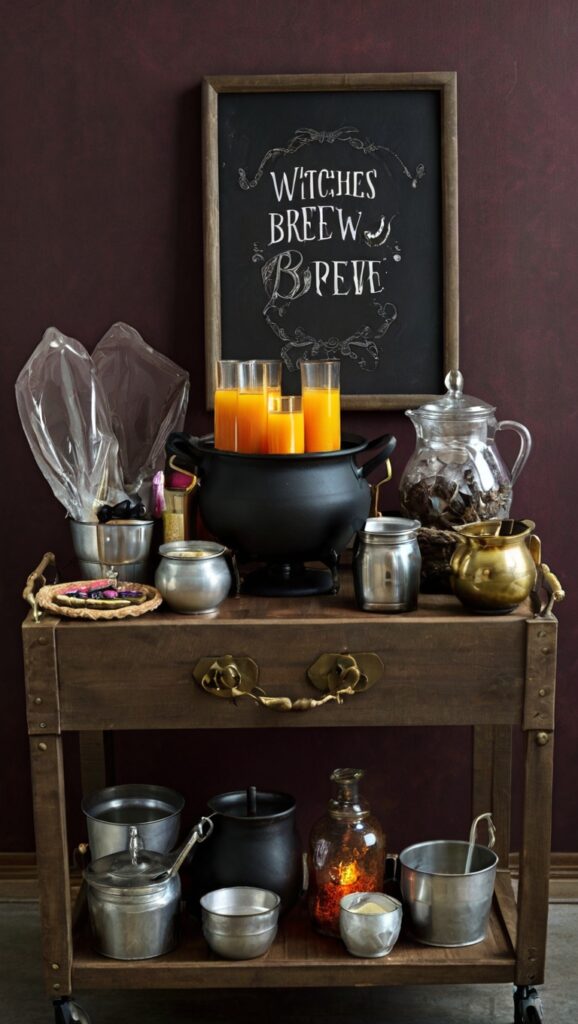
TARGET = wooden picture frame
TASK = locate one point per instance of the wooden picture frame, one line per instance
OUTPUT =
(267, 268)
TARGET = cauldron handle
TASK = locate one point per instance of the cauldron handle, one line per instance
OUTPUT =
(185, 450)
(389, 442)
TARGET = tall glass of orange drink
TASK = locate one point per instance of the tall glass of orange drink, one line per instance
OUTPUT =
(285, 435)
(226, 404)
(252, 408)
(321, 404)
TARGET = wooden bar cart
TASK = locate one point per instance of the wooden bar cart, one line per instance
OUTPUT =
(74, 671)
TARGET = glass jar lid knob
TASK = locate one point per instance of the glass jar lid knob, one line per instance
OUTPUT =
(454, 382)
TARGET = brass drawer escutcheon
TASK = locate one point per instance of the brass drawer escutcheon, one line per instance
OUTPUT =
(332, 672)
(234, 676)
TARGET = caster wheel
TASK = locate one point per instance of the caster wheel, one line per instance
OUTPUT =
(68, 1012)
(528, 1007)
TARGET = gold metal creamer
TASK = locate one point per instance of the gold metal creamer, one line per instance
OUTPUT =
(494, 566)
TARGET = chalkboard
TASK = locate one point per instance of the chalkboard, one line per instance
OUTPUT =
(331, 229)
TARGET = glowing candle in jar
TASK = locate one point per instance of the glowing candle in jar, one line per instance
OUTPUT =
(321, 405)
(285, 434)
(226, 394)
(346, 852)
(252, 408)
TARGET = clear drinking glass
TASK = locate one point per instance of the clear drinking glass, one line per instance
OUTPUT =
(274, 374)
(226, 394)
(252, 407)
(321, 405)
(285, 433)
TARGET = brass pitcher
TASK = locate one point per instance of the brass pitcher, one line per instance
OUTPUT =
(494, 566)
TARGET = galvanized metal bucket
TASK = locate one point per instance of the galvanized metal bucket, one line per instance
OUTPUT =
(155, 810)
(445, 905)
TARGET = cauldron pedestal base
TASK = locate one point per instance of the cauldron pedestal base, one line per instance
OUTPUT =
(291, 580)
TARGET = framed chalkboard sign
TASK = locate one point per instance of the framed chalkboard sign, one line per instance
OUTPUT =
(331, 229)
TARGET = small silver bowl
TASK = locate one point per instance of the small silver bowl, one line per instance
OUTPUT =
(366, 931)
(240, 922)
(193, 576)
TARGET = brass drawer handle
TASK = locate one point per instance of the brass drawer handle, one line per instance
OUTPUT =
(336, 675)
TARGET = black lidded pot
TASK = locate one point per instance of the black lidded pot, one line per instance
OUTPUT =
(282, 508)
(254, 842)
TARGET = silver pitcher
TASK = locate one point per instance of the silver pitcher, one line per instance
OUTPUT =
(387, 565)
(134, 897)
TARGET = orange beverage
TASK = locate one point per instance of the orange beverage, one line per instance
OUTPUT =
(226, 419)
(321, 404)
(285, 433)
(322, 419)
(227, 383)
(252, 407)
(252, 421)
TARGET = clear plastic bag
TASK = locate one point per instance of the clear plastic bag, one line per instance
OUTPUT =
(97, 426)
(66, 418)
(147, 395)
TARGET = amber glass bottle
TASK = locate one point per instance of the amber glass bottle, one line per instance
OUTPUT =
(346, 852)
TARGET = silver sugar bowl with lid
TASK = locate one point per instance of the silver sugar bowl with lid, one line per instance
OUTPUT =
(387, 565)
(195, 576)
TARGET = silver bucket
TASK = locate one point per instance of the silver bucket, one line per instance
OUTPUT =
(155, 810)
(129, 551)
(445, 906)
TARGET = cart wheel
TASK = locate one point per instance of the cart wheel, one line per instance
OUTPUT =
(68, 1012)
(528, 1007)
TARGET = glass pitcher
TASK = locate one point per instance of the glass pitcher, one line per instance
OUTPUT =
(456, 474)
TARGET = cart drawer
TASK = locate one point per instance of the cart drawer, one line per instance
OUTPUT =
(125, 676)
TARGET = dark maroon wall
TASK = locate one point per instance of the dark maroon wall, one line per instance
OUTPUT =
(100, 215)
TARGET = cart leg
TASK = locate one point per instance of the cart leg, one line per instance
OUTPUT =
(68, 1012)
(528, 1007)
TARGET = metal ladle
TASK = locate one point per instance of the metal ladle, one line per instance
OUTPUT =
(196, 836)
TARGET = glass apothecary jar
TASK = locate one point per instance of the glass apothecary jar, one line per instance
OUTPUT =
(456, 474)
(346, 852)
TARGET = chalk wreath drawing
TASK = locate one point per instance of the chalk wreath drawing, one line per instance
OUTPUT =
(285, 270)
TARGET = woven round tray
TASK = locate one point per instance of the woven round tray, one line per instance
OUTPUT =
(45, 598)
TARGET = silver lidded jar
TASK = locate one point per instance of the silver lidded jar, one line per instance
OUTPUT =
(387, 565)
(194, 576)
(134, 897)
(133, 916)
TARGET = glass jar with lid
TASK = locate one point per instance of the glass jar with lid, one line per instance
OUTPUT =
(456, 474)
(346, 852)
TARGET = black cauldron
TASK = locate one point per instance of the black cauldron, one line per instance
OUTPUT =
(254, 842)
(283, 510)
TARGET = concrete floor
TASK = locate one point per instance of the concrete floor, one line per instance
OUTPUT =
(22, 1000)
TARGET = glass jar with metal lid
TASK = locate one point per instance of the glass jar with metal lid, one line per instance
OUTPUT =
(387, 565)
(456, 473)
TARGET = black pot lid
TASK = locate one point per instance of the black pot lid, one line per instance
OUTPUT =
(352, 444)
(246, 806)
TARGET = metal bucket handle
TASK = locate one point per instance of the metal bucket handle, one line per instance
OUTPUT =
(473, 835)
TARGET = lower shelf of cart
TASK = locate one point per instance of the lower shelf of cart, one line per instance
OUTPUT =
(301, 957)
